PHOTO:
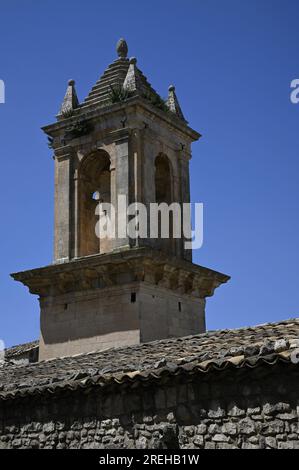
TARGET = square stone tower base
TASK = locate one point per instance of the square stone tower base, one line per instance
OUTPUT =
(118, 299)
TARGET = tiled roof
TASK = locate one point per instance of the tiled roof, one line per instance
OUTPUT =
(19, 350)
(209, 352)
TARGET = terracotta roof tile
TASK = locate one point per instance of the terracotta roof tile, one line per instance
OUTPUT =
(209, 352)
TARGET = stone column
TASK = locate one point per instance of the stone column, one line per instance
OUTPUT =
(62, 233)
(184, 159)
(121, 183)
(135, 174)
(76, 215)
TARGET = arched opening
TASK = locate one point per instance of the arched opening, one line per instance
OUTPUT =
(94, 187)
(164, 194)
(163, 183)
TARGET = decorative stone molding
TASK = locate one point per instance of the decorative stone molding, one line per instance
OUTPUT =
(135, 265)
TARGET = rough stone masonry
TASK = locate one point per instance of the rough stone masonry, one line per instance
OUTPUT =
(231, 389)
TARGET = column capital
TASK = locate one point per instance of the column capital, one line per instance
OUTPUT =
(63, 153)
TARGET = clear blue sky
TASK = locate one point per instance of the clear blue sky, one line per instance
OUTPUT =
(232, 62)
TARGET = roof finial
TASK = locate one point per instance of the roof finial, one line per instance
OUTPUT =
(122, 48)
(133, 81)
(70, 101)
(173, 103)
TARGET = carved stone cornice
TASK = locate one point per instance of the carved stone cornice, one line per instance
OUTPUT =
(120, 268)
(130, 106)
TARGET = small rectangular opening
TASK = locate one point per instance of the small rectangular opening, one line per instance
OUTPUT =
(180, 306)
(133, 297)
(65, 306)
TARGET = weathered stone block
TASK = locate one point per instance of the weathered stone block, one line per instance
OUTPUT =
(288, 445)
(216, 411)
(246, 426)
(273, 428)
(230, 429)
(220, 438)
(210, 445)
(271, 442)
(201, 429)
(198, 441)
(235, 411)
(49, 428)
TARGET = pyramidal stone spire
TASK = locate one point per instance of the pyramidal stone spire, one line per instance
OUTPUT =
(133, 80)
(173, 103)
(70, 100)
(124, 75)
(121, 74)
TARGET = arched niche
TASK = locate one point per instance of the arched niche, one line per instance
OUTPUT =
(94, 187)
(164, 194)
(163, 179)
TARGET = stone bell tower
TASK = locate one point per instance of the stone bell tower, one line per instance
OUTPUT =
(123, 139)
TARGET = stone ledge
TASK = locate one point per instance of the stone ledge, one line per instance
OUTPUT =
(120, 268)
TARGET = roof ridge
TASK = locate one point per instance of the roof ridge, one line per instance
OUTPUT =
(208, 334)
(145, 375)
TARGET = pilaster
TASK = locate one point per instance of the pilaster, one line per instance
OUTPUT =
(62, 235)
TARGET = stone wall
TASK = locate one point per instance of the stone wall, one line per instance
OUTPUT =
(99, 319)
(236, 408)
